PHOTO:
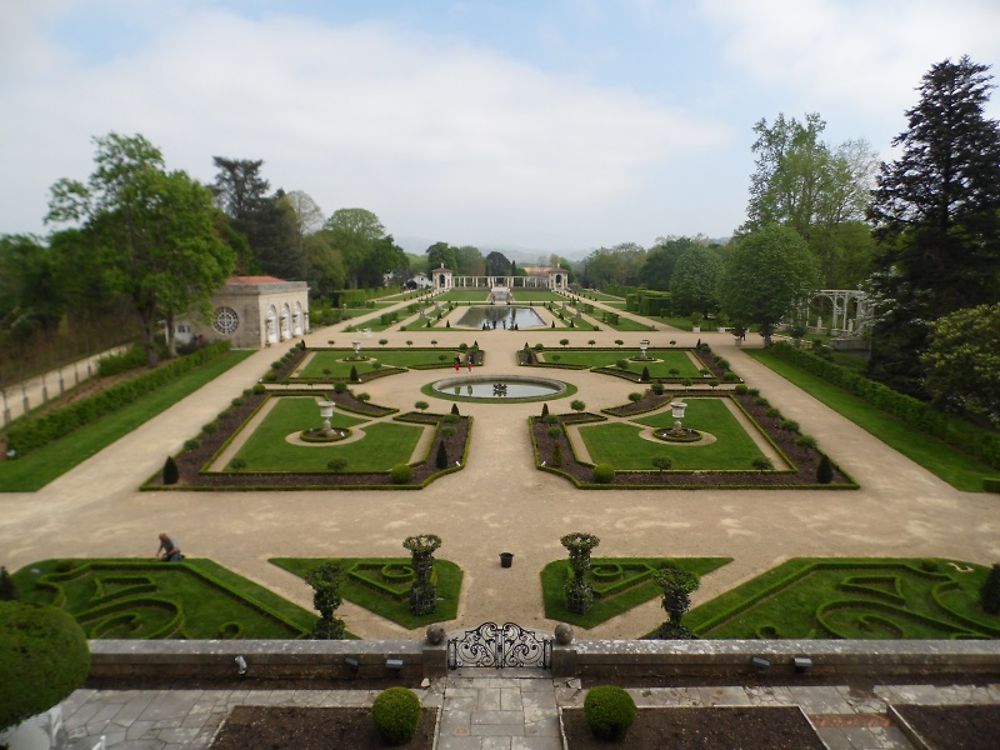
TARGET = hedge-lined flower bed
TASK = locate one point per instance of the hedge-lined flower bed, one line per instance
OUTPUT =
(802, 455)
(32, 433)
(923, 416)
(200, 451)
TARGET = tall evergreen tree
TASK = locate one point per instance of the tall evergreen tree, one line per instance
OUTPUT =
(937, 211)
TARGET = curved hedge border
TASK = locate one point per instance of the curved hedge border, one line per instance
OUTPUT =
(106, 609)
(962, 434)
(36, 432)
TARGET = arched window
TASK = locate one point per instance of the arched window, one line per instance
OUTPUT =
(297, 319)
(286, 322)
(441, 281)
(271, 326)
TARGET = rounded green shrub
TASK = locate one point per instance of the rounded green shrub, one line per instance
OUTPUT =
(604, 473)
(401, 473)
(43, 658)
(609, 711)
(396, 713)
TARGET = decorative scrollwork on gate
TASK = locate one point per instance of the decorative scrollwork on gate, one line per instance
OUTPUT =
(499, 646)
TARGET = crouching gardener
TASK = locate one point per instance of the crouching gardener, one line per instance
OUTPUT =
(168, 551)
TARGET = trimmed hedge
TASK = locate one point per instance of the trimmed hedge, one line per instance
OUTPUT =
(396, 713)
(28, 435)
(923, 416)
(609, 711)
(43, 658)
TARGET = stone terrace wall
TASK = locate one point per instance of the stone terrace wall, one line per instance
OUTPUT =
(326, 660)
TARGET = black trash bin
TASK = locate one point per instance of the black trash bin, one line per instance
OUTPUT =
(506, 559)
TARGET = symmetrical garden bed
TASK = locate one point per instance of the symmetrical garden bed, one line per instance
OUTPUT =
(852, 598)
(729, 461)
(307, 728)
(382, 585)
(132, 598)
(267, 460)
(966, 727)
(619, 584)
(337, 365)
(762, 728)
(665, 365)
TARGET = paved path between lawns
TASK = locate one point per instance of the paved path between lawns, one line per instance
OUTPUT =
(499, 501)
(485, 710)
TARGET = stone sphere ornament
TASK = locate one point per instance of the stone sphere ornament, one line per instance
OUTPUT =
(435, 634)
(564, 634)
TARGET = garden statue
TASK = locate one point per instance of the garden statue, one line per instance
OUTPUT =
(423, 594)
(579, 592)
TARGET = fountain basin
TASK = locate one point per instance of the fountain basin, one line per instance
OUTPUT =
(499, 388)
(502, 315)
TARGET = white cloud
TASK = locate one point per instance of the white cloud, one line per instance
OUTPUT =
(432, 135)
(868, 56)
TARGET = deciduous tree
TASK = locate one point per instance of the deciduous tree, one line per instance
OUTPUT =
(764, 275)
(153, 232)
(695, 281)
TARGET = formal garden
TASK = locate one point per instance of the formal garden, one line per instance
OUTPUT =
(189, 599)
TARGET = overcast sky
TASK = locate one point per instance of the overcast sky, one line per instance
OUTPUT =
(560, 125)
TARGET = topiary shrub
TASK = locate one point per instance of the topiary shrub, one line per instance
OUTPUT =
(454, 409)
(354, 374)
(741, 389)
(604, 474)
(396, 713)
(645, 375)
(545, 410)
(325, 581)
(237, 464)
(339, 387)
(989, 594)
(609, 711)
(762, 464)
(557, 457)
(43, 658)
(8, 589)
(401, 474)
(170, 473)
(441, 460)
(657, 388)
(824, 472)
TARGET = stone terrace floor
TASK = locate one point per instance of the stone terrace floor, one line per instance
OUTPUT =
(484, 711)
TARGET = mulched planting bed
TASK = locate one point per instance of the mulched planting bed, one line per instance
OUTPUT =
(294, 728)
(955, 727)
(190, 462)
(769, 728)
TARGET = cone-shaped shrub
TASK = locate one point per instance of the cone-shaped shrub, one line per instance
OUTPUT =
(170, 473)
(441, 460)
(824, 472)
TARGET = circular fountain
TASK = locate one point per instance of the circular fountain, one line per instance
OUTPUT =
(498, 388)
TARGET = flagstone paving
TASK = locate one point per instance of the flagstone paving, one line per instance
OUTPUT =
(487, 710)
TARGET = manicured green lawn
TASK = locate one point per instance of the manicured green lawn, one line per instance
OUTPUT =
(463, 295)
(536, 295)
(619, 583)
(619, 444)
(145, 598)
(625, 324)
(602, 296)
(852, 598)
(38, 468)
(382, 585)
(668, 359)
(335, 362)
(958, 469)
(385, 443)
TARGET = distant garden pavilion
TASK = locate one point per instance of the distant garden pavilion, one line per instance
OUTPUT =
(253, 312)
(535, 277)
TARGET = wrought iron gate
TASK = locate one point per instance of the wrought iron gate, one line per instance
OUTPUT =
(499, 646)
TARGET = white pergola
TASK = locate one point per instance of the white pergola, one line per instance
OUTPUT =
(841, 311)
